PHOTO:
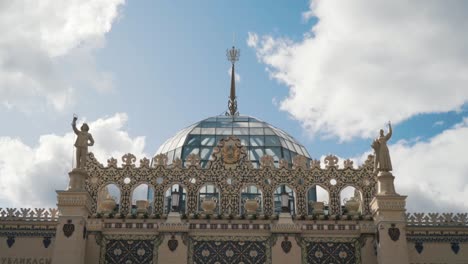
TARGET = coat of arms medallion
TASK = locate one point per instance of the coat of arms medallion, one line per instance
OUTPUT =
(68, 228)
(230, 152)
(394, 233)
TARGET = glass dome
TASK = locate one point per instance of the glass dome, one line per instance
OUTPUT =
(257, 136)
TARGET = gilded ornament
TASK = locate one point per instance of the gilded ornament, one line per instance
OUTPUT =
(230, 152)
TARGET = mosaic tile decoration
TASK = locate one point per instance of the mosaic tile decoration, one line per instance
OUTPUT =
(229, 250)
(336, 251)
(129, 249)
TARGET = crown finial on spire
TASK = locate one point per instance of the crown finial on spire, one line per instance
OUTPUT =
(233, 56)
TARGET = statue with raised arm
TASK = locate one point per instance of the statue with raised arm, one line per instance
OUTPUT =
(83, 140)
(382, 160)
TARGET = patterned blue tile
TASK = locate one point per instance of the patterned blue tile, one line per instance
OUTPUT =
(331, 252)
(129, 251)
(227, 252)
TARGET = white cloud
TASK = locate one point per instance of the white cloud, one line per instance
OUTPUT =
(252, 40)
(29, 175)
(39, 46)
(367, 62)
(433, 173)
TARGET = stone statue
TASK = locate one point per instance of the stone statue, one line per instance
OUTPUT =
(82, 142)
(382, 160)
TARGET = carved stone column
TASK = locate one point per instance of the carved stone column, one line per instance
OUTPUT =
(301, 202)
(125, 201)
(388, 209)
(74, 206)
(334, 202)
(268, 208)
(158, 201)
(192, 200)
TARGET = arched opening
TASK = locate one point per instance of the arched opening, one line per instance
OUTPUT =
(251, 200)
(108, 201)
(142, 199)
(181, 195)
(208, 199)
(317, 200)
(351, 201)
(281, 192)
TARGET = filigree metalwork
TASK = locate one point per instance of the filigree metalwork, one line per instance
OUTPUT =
(267, 178)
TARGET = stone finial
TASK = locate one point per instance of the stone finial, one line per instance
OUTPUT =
(112, 162)
(144, 163)
(177, 163)
(267, 161)
(160, 160)
(129, 159)
(283, 164)
(331, 161)
(299, 161)
(315, 164)
(193, 160)
(348, 164)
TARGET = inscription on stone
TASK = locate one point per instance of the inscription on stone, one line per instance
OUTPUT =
(25, 260)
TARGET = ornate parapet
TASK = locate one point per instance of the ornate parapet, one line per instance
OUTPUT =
(28, 222)
(29, 214)
(442, 228)
(230, 170)
(437, 219)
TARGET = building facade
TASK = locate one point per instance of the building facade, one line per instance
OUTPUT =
(230, 189)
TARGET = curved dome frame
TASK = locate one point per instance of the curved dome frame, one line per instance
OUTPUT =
(259, 137)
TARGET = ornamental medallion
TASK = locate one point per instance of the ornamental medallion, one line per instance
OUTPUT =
(230, 152)
(172, 244)
(419, 247)
(455, 247)
(286, 245)
(68, 228)
(394, 233)
(10, 241)
(46, 241)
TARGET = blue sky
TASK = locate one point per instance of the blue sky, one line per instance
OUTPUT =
(162, 65)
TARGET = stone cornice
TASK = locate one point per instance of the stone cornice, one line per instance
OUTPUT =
(74, 199)
(388, 203)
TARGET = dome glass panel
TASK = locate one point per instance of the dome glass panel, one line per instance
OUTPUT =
(260, 138)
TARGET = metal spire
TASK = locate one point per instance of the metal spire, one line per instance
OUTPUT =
(232, 56)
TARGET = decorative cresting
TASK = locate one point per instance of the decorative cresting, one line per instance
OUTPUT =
(230, 161)
(437, 219)
(29, 214)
